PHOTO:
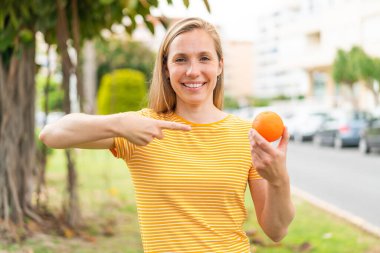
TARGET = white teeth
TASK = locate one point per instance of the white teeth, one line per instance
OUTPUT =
(193, 85)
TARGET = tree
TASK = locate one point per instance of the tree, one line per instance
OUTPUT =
(368, 70)
(354, 66)
(17, 90)
(344, 72)
(19, 21)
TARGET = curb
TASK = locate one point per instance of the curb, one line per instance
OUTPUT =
(351, 218)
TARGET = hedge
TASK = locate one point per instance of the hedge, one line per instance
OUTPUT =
(121, 90)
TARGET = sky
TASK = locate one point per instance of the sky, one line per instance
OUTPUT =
(236, 18)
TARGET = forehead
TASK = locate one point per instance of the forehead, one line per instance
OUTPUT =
(197, 40)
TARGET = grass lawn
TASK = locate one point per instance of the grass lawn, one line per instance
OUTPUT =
(109, 212)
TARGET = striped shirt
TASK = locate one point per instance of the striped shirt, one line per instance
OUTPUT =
(190, 185)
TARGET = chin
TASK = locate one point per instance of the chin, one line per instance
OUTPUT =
(196, 100)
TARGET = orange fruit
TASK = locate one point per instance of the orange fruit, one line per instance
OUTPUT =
(269, 125)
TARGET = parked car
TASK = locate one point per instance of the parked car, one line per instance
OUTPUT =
(341, 129)
(370, 137)
(304, 125)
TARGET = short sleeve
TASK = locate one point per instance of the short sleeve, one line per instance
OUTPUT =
(122, 148)
(253, 174)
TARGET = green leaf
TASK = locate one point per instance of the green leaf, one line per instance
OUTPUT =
(153, 3)
(2, 20)
(207, 5)
(26, 35)
(132, 5)
(186, 3)
(14, 19)
(129, 30)
(376, 63)
(133, 22)
(149, 25)
(170, 2)
(6, 38)
(25, 11)
(106, 2)
(142, 10)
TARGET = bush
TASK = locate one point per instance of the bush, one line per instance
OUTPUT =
(120, 91)
(259, 102)
(282, 97)
(231, 103)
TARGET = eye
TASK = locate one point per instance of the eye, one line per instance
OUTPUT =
(180, 59)
(205, 58)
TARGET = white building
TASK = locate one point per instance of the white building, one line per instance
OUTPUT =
(297, 46)
(238, 66)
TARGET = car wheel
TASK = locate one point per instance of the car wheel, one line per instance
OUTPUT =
(363, 147)
(338, 143)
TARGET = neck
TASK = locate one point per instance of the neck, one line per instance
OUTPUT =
(200, 114)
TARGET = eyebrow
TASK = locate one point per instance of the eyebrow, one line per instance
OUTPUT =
(200, 53)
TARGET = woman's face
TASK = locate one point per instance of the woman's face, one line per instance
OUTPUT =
(193, 67)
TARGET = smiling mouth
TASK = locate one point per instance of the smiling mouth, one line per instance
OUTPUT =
(193, 85)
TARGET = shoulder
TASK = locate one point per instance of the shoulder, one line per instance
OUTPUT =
(147, 112)
(237, 121)
(150, 113)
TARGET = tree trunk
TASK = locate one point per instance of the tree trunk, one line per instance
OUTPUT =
(354, 99)
(375, 96)
(75, 27)
(371, 86)
(89, 77)
(71, 205)
(42, 153)
(17, 137)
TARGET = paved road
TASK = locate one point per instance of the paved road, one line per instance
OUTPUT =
(344, 178)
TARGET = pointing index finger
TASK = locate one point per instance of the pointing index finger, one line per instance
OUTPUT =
(173, 125)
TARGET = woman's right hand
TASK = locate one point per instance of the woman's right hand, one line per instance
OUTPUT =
(78, 130)
(141, 130)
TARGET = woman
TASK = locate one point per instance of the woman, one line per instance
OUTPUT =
(190, 162)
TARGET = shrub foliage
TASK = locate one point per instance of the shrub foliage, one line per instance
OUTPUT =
(121, 90)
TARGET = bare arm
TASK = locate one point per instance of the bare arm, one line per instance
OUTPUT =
(78, 130)
(271, 195)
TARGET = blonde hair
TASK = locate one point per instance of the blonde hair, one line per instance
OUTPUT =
(162, 97)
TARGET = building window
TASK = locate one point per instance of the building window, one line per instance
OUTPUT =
(314, 38)
(319, 85)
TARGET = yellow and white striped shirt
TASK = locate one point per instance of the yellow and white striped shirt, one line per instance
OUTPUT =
(190, 185)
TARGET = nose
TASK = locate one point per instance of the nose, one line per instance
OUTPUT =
(193, 69)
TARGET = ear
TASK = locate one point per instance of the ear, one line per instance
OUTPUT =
(221, 66)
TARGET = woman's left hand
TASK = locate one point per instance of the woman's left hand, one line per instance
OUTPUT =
(270, 161)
